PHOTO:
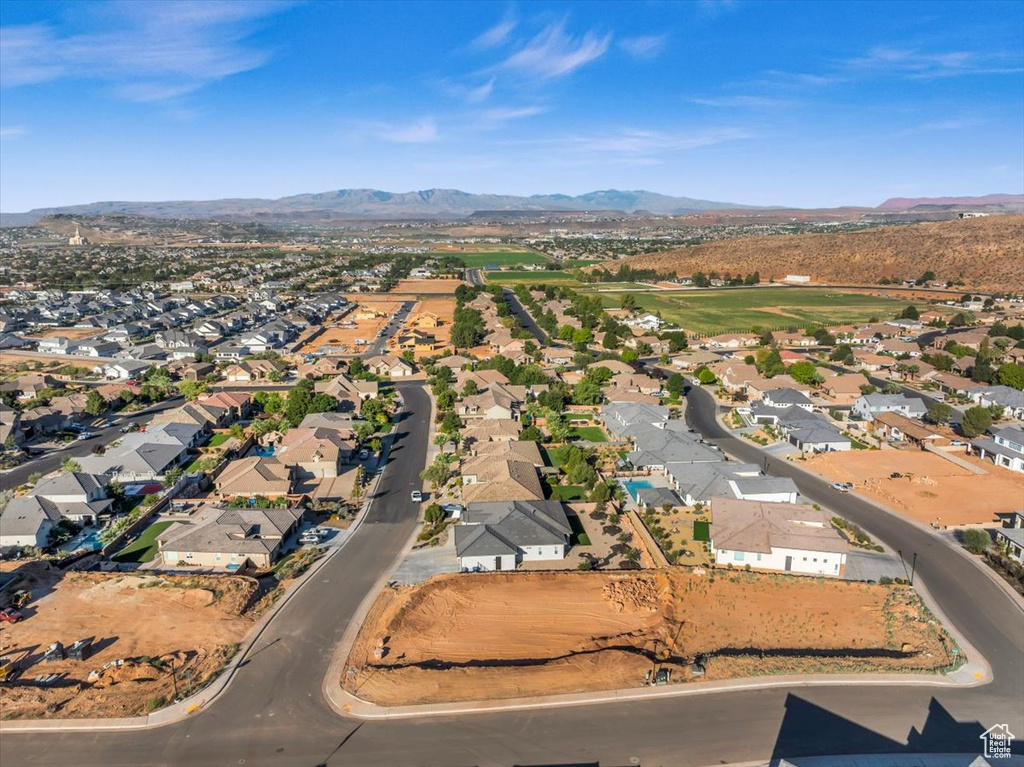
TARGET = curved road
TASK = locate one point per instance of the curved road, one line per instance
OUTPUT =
(274, 712)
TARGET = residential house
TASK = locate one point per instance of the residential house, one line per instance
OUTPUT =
(784, 398)
(1011, 541)
(1005, 447)
(78, 496)
(11, 432)
(499, 535)
(123, 369)
(314, 453)
(251, 370)
(485, 478)
(868, 405)
(1009, 399)
(496, 401)
(895, 427)
(255, 476)
(56, 345)
(783, 537)
(343, 388)
(491, 430)
(96, 349)
(228, 538)
(390, 366)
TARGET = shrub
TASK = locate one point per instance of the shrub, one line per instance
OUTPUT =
(976, 541)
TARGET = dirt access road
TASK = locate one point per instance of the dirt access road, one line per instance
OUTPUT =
(505, 635)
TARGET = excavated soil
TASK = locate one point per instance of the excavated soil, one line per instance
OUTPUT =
(142, 627)
(504, 635)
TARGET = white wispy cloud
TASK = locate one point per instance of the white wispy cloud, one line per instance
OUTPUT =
(741, 102)
(644, 47)
(421, 131)
(148, 51)
(916, 64)
(12, 131)
(502, 114)
(494, 36)
(554, 53)
(631, 141)
(953, 124)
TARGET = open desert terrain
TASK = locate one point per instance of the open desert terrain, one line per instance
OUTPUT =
(505, 635)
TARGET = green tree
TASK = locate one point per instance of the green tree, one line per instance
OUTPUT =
(470, 388)
(94, 403)
(531, 434)
(627, 301)
(976, 541)
(357, 484)
(676, 385)
(910, 313)
(433, 514)
(192, 390)
(557, 427)
(172, 476)
(437, 473)
(70, 465)
(587, 392)
(805, 373)
(705, 376)
(975, 421)
(939, 413)
(1011, 374)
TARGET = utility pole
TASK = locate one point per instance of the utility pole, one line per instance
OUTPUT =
(913, 569)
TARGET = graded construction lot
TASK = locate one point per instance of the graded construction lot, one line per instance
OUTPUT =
(169, 631)
(740, 309)
(506, 635)
(427, 287)
(340, 336)
(931, 489)
(441, 308)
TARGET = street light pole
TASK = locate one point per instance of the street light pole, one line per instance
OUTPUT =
(913, 568)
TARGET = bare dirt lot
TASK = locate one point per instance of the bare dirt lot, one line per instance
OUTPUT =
(193, 623)
(503, 635)
(936, 490)
(427, 287)
(363, 324)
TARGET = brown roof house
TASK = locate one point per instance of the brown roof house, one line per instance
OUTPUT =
(255, 476)
(314, 453)
(227, 538)
(787, 537)
(491, 430)
(485, 478)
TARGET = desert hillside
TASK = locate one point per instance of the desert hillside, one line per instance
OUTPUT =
(985, 253)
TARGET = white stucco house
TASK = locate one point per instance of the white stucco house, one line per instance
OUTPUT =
(500, 535)
(786, 537)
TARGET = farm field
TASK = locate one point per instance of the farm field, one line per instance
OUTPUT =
(191, 622)
(738, 310)
(499, 258)
(506, 635)
(932, 490)
(512, 277)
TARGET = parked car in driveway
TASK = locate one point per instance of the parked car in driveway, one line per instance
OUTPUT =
(85, 435)
(452, 508)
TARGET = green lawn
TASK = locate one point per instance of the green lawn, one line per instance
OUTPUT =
(740, 309)
(219, 439)
(554, 456)
(701, 531)
(567, 493)
(532, 278)
(579, 536)
(144, 548)
(500, 258)
(589, 434)
(603, 286)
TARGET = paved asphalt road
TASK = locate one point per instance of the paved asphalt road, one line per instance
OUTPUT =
(274, 714)
(379, 344)
(524, 317)
(473, 277)
(104, 436)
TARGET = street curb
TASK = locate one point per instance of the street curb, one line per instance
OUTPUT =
(201, 700)
(361, 709)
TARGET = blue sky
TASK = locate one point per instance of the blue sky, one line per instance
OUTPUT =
(803, 103)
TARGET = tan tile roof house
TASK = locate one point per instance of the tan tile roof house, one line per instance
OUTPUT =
(314, 453)
(487, 479)
(255, 476)
(222, 538)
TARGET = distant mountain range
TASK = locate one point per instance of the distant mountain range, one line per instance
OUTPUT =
(370, 204)
(989, 200)
(374, 204)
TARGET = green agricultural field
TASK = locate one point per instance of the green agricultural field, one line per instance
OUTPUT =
(531, 278)
(575, 263)
(740, 309)
(499, 258)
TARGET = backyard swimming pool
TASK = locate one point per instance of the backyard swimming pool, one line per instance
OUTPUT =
(89, 542)
(632, 485)
(264, 452)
